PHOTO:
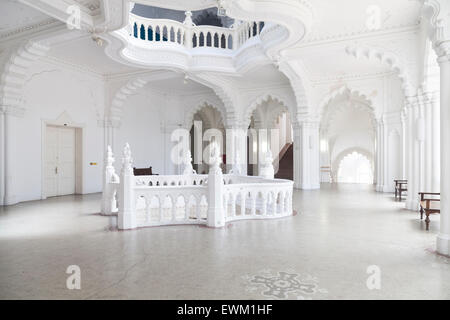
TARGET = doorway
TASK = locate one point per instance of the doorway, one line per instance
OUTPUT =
(60, 161)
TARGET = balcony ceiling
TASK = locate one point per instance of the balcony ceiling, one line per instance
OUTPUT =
(182, 5)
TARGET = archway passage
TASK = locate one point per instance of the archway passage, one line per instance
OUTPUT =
(355, 168)
(271, 129)
(207, 126)
(347, 133)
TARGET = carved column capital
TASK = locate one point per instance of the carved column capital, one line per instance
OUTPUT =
(443, 51)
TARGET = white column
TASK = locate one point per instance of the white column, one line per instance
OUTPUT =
(9, 117)
(428, 144)
(387, 181)
(237, 149)
(216, 217)
(435, 145)
(379, 156)
(2, 156)
(443, 240)
(404, 144)
(421, 139)
(127, 202)
(413, 154)
(306, 155)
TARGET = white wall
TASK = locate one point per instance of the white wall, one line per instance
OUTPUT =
(50, 91)
(141, 128)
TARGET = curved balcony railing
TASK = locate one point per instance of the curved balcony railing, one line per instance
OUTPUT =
(191, 36)
(144, 201)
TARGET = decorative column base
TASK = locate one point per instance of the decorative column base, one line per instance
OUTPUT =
(443, 244)
(412, 205)
(127, 221)
(10, 201)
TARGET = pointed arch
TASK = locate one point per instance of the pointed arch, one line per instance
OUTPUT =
(260, 100)
(388, 58)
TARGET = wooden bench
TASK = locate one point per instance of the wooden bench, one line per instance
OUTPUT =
(400, 187)
(143, 172)
(429, 206)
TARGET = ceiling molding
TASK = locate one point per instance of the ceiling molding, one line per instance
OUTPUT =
(361, 35)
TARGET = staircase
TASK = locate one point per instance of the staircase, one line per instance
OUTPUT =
(286, 169)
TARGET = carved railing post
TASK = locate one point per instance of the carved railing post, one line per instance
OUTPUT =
(127, 201)
(267, 171)
(188, 169)
(110, 180)
(216, 216)
(188, 32)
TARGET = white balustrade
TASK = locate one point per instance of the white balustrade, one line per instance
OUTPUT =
(191, 36)
(212, 199)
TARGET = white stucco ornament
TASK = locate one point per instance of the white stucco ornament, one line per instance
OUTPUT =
(267, 170)
(188, 20)
(215, 159)
(188, 169)
(127, 161)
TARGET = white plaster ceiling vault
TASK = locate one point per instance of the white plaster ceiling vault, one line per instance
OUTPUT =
(16, 17)
(84, 53)
(177, 84)
(337, 24)
(346, 18)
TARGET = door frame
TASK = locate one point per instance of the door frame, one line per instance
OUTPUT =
(79, 138)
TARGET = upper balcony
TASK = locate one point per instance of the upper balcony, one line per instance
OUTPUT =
(188, 35)
(230, 43)
(180, 43)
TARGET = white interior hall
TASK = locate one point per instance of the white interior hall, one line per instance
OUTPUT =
(145, 140)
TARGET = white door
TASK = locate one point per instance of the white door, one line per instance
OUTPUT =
(59, 161)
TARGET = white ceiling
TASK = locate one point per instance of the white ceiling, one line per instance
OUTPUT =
(322, 61)
(263, 76)
(331, 62)
(86, 53)
(180, 4)
(15, 16)
(176, 85)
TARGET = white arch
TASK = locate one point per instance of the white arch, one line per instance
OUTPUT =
(14, 75)
(116, 110)
(198, 106)
(326, 115)
(261, 99)
(130, 88)
(391, 59)
(335, 165)
(350, 93)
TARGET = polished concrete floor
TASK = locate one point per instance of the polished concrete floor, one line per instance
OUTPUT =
(323, 252)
